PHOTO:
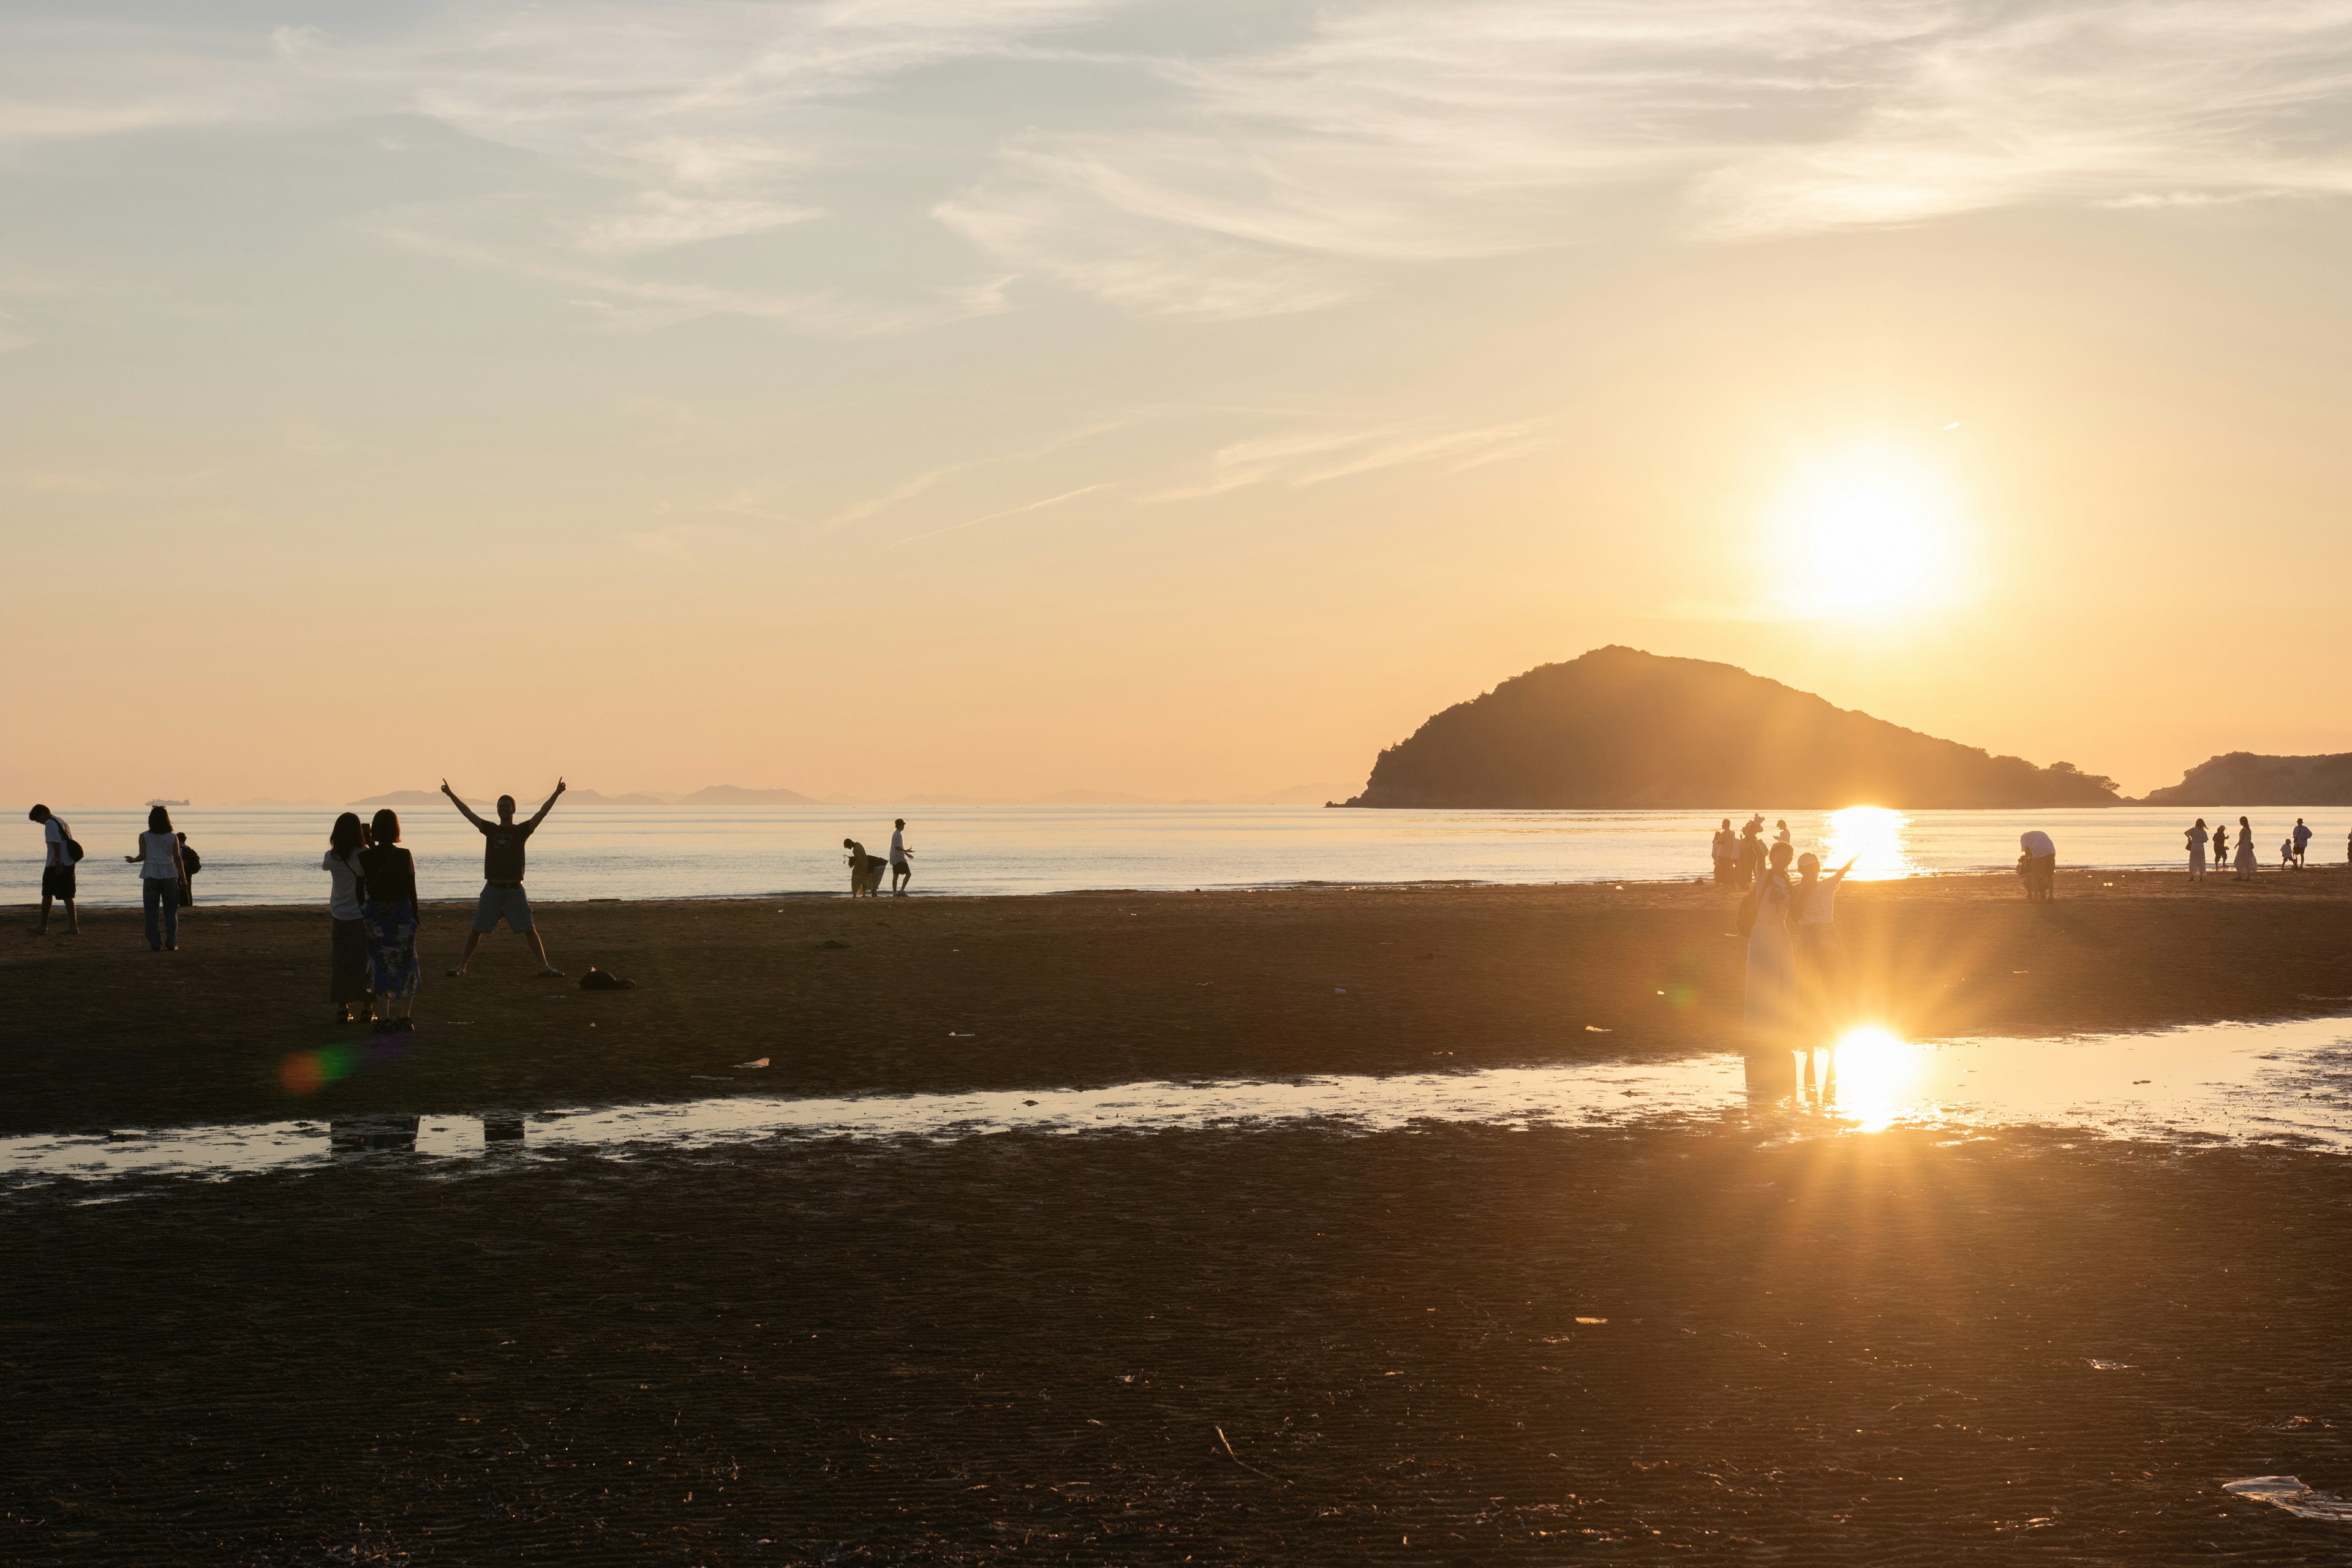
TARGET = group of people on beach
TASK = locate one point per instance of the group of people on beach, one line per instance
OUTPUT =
(373, 970)
(2294, 849)
(167, 870)
(865, 869)
(1790, 927)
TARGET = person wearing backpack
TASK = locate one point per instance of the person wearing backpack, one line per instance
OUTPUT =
(60, 852)
(190, 864)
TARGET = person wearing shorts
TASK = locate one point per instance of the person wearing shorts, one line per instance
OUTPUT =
(502, 896)
(57, 869)
(901, 870)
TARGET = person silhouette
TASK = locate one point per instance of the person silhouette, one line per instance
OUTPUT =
(502, 897)
(2301, 838)
(2196, 838)
(901, 870)
(2220, 844)
(2244, 863)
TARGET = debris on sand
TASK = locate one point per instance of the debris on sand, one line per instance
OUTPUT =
(2289, 1493)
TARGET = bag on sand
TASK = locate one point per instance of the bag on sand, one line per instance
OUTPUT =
(604, 980)
(1748, 912)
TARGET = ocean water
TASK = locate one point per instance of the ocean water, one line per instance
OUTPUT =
(271, 855)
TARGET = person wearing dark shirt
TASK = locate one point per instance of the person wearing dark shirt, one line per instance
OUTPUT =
(388, 907)
(502, 895)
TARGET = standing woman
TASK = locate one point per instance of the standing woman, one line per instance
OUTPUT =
(389, 910)
(2245, 861)
(1771, 1012)
(2197, 836)
(347, 968)
(159, 879)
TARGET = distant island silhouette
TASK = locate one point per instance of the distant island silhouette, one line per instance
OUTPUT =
(2245, 778)
(1622, 727)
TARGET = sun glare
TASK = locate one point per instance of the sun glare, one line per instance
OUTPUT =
(1876, 1073)
(1870, 534)
(1871, 837)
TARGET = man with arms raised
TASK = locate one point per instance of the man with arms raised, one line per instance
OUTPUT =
(502, 896)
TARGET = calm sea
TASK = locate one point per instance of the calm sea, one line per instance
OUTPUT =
(271, 856)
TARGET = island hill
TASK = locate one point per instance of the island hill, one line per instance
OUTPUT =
(1620, 728)
(2244, 778)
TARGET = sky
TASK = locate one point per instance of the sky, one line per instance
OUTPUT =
(1007, 396)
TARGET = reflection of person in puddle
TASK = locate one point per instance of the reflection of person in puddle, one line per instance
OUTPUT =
(1772, 1013)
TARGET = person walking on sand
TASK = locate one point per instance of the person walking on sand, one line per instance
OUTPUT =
(2302, 840)
(160, 875)
(902, 870)
(347, 960)
(2220, 844)
(60, 850)
(2197, 838)
(391, 911)
(2244, 864)
(1769, 1013)
(502, 895)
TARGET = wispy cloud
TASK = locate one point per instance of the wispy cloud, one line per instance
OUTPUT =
(1233, 176)
(1298, 458)
(1008, 511)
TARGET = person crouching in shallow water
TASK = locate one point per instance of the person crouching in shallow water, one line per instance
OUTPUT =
(390, 910)
(347, 965)
(1771, 1015)
(2038, 866)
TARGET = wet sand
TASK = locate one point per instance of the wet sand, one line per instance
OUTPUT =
(1817, 1347)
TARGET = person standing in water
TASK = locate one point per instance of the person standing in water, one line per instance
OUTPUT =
(160, 875)
(2244, 863)
(2196, 838)
(902, 871)
(1770, 1012)
(502, 895)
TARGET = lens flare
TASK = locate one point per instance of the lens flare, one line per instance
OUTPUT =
(1875, 1077)
(306, 1071)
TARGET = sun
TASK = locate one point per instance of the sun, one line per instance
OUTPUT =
(1866, 535)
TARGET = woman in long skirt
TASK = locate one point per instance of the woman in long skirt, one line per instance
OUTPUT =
(2245, 862)
(1772, 1011)
(389, 911)
(347, 971)
(2197, 836)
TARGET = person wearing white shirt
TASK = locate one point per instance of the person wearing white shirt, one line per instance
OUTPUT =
(160, 875)
(347, 997)
(902, 870)
(57, 869)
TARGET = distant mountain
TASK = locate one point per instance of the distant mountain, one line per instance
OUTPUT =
(1620, 728)
(729, 795)
(2244, 778)
(400, 798)
(634, 797)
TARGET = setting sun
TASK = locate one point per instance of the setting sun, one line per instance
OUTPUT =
(1867, 534)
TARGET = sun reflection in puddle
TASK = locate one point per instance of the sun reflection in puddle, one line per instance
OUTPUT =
(1872, 837)
(2287, 1084)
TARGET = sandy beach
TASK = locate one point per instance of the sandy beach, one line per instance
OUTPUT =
(1714, 1342)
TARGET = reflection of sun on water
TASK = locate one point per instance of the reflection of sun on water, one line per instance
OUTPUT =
(1871, 837)
(1877, 1075)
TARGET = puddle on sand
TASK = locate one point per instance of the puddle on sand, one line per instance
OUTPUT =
(2289, 1493)
(2287, 1083)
